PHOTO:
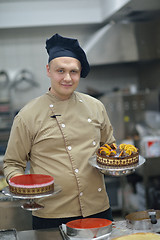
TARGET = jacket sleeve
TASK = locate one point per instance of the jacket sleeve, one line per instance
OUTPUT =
(18, 149)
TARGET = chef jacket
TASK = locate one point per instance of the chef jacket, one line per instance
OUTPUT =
(58, 138)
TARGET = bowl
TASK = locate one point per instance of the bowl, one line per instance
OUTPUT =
(144, 220)
(88, 228)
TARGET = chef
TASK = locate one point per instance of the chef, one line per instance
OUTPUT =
(58, 132)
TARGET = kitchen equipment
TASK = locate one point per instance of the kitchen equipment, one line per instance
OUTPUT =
(116, 171)
(30, 204)
(144, 220)
(152, 119)
(9, 234)
(24, 81)
(130, 110)
(4, 86)
(88, 228)
(4, 79)
(150, 146)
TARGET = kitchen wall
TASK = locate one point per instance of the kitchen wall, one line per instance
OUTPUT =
(24, 48)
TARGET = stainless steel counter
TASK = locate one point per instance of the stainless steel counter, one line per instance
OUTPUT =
(46, 234)
(12, 216)
(119, 228)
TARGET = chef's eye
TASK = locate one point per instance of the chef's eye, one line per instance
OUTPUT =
(60, 70)
(74, 71)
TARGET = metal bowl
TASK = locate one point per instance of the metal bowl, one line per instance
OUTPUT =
(144, 220)
(89, 228)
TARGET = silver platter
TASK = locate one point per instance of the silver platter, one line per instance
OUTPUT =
(30, 204)
(116, 171)
(56, 190)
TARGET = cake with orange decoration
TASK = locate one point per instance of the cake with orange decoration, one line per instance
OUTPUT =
(118, 156)
(31, 184)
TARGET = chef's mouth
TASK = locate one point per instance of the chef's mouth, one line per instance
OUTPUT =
(66, 85)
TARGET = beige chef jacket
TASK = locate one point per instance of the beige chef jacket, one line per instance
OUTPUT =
(59, 137)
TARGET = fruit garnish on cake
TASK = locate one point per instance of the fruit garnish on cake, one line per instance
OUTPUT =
(122, 155)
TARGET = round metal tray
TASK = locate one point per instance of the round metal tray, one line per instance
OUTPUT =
(116, 171)
(30, 203)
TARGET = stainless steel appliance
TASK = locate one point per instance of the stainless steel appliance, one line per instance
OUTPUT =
(126, 110)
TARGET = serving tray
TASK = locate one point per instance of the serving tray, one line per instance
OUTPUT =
(116, 171)
(30, 203)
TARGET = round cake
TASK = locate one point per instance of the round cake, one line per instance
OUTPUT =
(31, 184)
(139, 236)
(88, 223)
(88, 228)
(117, 156)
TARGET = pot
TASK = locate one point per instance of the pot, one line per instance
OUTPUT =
(144, 220)
(89, 228)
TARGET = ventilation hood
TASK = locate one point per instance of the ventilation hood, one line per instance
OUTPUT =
(130, 32)
(131, 10)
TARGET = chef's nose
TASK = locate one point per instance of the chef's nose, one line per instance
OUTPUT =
(67, 77)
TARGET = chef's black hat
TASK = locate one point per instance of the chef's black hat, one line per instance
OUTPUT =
(58, 46)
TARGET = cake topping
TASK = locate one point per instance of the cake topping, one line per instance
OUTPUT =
(113, 155)
(107, 146)
(104, 150)
(31, 179)
(88, 223)
(121, 151)
(113, 146)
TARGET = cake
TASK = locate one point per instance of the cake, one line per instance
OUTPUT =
(117, 156)
(139, 236)
(88, 223)
(31, 184)
(88, 228)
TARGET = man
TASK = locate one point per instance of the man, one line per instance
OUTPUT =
(58, 133)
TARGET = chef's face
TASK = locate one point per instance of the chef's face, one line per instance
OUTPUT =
(64, 73)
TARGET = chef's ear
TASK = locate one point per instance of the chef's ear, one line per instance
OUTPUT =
(48, 70)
